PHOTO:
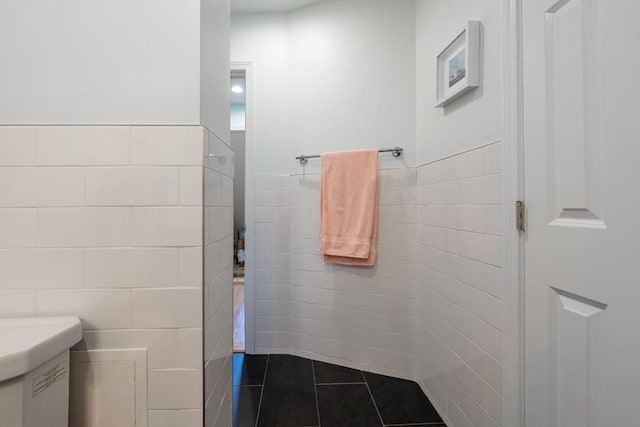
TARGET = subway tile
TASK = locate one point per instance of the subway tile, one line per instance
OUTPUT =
(399, 196)
(190, 187)
(494, 220)
(190, 347)
(97, 308)
(219, 223)
(492, 189)
(469, 164)
(493, 372)
(473, 410)
(493, 158)
(495, 281)
(212, 262)
(472, 218)
(219, 156)
(493, 403)
(17, 304)
(393, 178)
(472, 191)
(61, 186)
(166, 226)
(227, 191)
(41, 186)
(272, 246)
(175, 418)
(175, 389)
(84, 227)
(276, 214)
(162, 344)
(273, 183)
(397, 214)
(190, 266)
(131, 267)
(18, 227)
(213, 187)
(18, 187)
(272, 199)
(17, 145)
(56, 268)
(132, 186)
(83, 145)
(272, 230)
(167, 308)
(457, 417)
(492, 342)
(166, 145)
(482, 247)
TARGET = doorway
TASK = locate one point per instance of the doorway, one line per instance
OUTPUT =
(238, 141)
(581, 336)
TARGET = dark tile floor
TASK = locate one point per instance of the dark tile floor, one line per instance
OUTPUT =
(288, 391)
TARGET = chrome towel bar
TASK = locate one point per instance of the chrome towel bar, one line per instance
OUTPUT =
(395, 151)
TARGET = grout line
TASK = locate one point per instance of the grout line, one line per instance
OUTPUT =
(354, 383)
(438, 423)
(264, 382)
(375, 405)
(315, 391)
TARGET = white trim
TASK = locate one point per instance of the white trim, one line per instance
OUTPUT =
(250, 167)
(513, 381)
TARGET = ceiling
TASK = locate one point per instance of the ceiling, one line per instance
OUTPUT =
(259, 6)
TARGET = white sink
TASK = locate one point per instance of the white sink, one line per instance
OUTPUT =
(27, 343)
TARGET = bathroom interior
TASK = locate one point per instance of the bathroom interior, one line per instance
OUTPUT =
(160, 213)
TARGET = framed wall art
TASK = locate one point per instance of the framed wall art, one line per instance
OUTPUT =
(459, 65)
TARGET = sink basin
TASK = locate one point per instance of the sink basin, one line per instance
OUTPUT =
(29, 342)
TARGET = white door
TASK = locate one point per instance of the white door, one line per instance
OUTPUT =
(582, 191)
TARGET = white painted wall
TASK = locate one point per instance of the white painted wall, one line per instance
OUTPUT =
(215, 24)
(352, 79)
(263, 40)
(100, 62)
(332, 76)
(476, 118)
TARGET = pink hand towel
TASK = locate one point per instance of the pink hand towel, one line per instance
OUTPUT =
(348, 207)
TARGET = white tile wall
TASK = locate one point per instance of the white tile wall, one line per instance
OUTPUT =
(17, 145)
(183, 418)
(166, 145)
(461, 285)
(167, 308)
(218, 281)
(272, 261)
(105, 223)
(82, 145)
(84, 227)
(132, 186)
(432, 307)
(339, 314)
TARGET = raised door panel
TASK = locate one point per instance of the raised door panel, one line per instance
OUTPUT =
(573, 124)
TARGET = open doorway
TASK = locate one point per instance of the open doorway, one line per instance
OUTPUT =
(238, 142)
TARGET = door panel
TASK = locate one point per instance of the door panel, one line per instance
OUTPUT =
(571, 49)
(582, 191)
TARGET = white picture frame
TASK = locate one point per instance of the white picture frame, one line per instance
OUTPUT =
(458, 65)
